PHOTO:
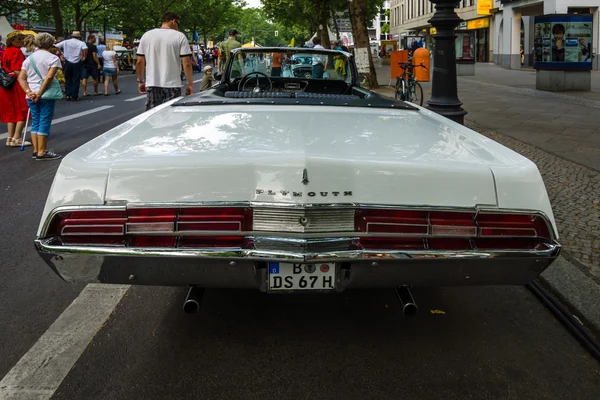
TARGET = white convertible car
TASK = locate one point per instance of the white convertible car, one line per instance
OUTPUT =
(287, 184)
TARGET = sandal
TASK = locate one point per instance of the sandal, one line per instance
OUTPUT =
(85, 95)
(97, 94)
(119, 92)
(18, 142)
(9, 141)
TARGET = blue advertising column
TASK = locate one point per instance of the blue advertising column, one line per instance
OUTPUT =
(563, 52)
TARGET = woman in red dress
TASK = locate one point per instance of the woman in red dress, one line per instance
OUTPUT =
(13, 106)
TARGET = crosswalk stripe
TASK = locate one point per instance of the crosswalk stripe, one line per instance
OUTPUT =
(42, 369)
(67, 118)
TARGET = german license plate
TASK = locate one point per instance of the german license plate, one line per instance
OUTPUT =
(317, 276)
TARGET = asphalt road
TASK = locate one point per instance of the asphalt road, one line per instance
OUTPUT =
(465, 343)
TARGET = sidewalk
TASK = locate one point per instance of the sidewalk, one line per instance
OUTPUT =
(563, 139)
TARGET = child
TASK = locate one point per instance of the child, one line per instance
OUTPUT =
(208, 79)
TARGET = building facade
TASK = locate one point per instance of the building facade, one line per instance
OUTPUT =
(505, 36)
(408, 21)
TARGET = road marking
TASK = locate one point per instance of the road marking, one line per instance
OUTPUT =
(42, 369)
(67, 118)
(144, 96)
(137, 98)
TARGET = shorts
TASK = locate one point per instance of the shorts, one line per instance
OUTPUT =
(109, 71)
(157, 95)
(88, 71)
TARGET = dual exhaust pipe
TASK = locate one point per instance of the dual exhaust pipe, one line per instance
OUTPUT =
(193, 300)
(407, 301)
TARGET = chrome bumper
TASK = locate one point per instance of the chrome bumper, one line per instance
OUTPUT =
(239, 268)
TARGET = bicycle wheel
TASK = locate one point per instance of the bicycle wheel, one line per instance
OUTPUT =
(398, 89)
(417, 94)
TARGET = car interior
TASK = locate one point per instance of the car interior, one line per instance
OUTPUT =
(286, 74)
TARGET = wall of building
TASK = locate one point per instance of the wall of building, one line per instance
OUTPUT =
(409, 18)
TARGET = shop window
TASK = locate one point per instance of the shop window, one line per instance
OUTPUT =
(465, 46)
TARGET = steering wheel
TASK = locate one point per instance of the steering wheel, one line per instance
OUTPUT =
(246, 79)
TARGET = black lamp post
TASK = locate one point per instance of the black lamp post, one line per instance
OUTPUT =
(444, 93)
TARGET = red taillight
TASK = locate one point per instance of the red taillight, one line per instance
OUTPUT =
(449, 230)
(152, 227)
(215, 219)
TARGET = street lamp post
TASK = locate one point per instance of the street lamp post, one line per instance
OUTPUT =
(444, 92)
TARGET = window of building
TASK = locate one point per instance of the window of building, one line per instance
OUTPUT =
(464, 3)
(471, 2)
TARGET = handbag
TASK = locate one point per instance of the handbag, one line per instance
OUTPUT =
(54, 91)
(7, 81)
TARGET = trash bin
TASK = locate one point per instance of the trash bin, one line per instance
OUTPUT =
(421, 56)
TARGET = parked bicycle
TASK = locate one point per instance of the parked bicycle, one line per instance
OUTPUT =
(407, 88)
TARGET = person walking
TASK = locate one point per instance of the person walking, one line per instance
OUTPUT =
(161, 53)
(319, 63)
(225, 51)
(91, 66)
(101, 47)
(13, 107)
(74, 51)
(111, 69)
(35, 79)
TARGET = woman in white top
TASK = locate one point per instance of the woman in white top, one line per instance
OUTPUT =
(35, 83)
(111, 68)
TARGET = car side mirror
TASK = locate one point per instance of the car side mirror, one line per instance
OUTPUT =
(218, 76)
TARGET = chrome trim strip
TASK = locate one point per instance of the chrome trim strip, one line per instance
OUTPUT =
(476, 209)
(62, 232)
(47, 246)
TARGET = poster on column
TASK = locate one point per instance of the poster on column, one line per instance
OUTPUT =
(563, 42)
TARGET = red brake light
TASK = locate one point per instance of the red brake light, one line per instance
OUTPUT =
(152, 227)
(449, 230)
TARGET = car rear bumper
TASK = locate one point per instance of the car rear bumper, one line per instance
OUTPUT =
(238, 268)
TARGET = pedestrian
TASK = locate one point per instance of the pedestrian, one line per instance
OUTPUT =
(319, 63)
(74, 51)
(13, 107)
(101, 47)
(91, 66)
(340, 61)
(37, 80)
(215, 53)
(208, 79)
(276, 64)
(28, 46)
(160, 54)
(225, 49)
(110, 69)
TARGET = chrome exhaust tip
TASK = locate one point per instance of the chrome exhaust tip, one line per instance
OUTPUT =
(407, 301)
(192, 302)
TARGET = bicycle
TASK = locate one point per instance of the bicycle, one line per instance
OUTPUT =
(407, 88)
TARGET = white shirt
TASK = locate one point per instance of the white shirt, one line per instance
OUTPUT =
(44, 60)
(107, 56)
(72, 49)
(317, 59)
(163, 48)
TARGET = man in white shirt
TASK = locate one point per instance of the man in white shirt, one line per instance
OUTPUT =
(74, 51)
(318, 62)
(160, 55)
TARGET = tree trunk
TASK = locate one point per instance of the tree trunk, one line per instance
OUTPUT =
(362, 47)
(58, 22)
(322, 20)
(78, 20)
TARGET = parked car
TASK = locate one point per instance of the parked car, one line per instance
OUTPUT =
(287, 184)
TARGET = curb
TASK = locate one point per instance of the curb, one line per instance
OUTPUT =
(576, 290)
